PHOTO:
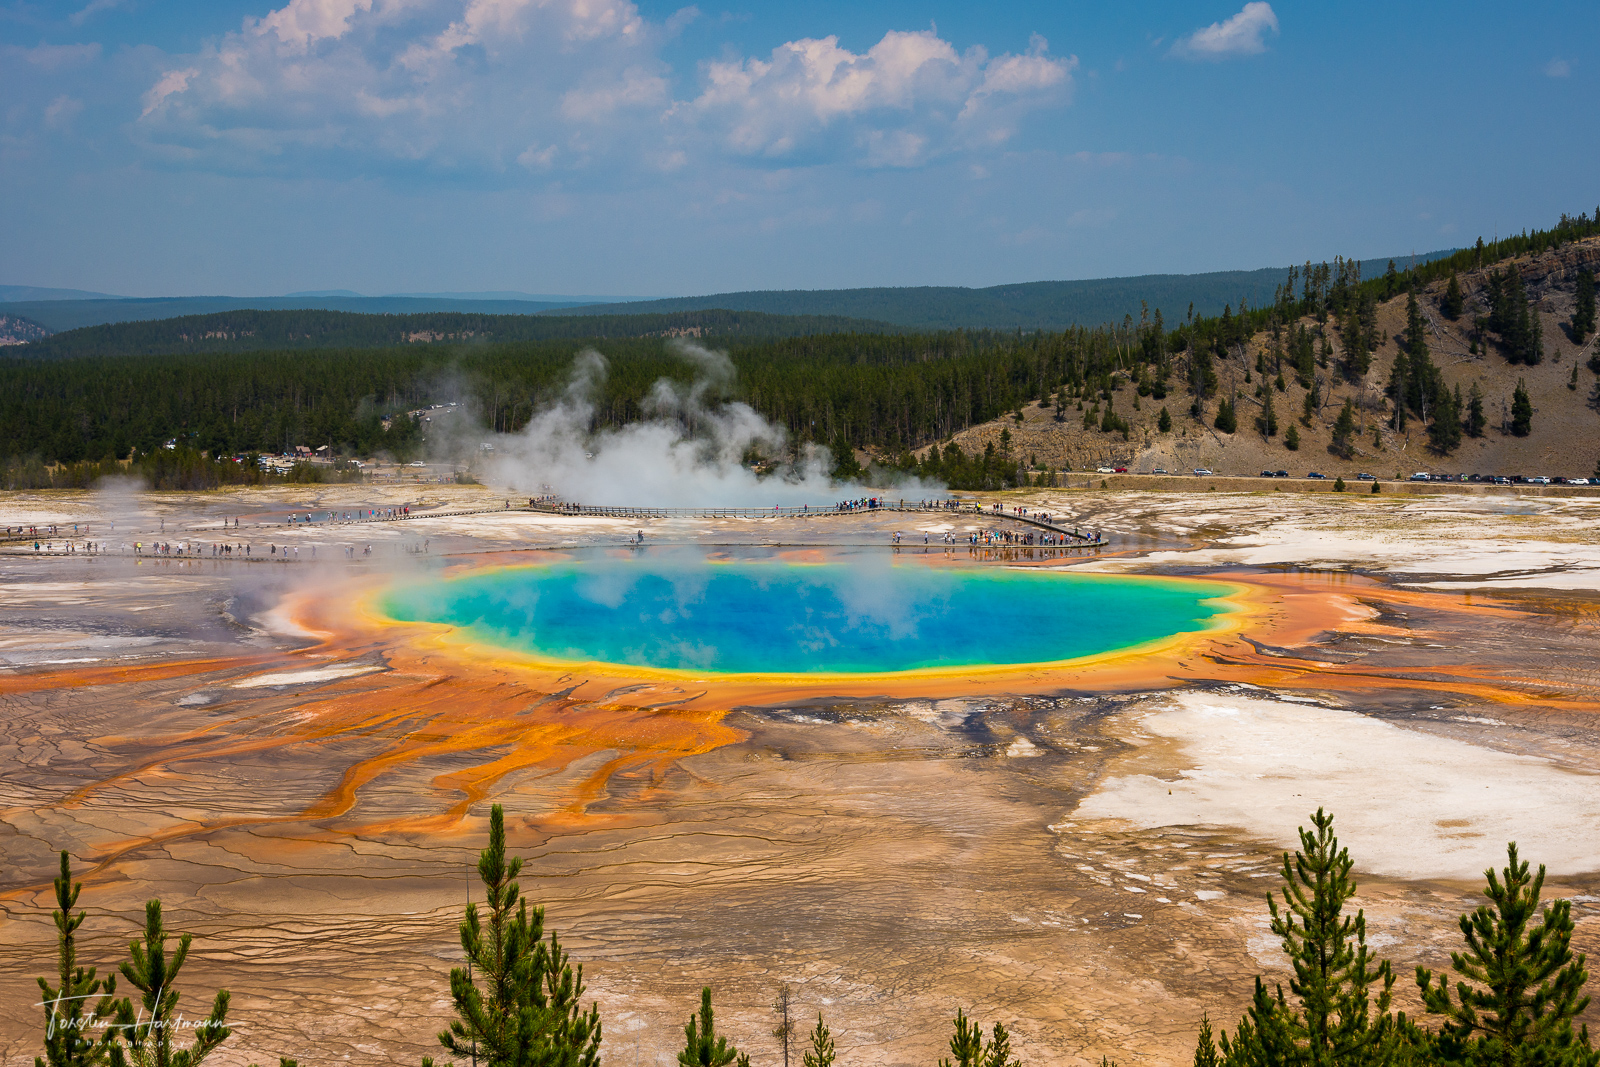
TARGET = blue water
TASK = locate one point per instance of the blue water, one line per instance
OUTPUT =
(771, 616)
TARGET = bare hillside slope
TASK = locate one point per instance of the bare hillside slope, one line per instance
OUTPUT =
(1564, 442)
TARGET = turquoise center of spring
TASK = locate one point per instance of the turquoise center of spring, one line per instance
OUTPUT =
(769, 616)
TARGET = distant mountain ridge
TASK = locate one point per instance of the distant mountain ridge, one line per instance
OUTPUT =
(497, 294)
(1050, 305)
(60, 315)
(1024, 305)
(14, 293)
(301, 328)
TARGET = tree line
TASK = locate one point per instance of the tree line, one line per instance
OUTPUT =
(309, 328)
(891, 393)
(1517, 994)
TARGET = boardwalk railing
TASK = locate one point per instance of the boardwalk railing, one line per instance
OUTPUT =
(1073, 536)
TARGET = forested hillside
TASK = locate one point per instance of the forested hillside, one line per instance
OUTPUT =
(889, 390)
(242, 331)
(1486, 365)
(1027, 306)
(1327, 336)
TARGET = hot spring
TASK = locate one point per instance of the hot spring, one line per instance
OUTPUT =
(767, 615)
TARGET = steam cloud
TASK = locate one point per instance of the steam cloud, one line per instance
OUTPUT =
(686, 453)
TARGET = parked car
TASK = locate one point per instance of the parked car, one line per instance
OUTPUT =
(1266, 474)
(1365, 477)
(1104, 470)
(1314, 474)
(1538, 479)
(1120, 470)
(1159, 470)
(1422, 476)
(1202, 471)
(1501, 479)
(1280, 474)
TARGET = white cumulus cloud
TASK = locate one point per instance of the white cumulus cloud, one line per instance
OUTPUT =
(455, 85)
(1242, 35)
(172, 81)
(301, 22)
(520, 87)
(1558, 68)
(907, 97)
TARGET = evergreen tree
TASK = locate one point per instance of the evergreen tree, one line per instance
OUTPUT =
(518, 1004)
(1514, 319)
(1420, 385)
(1399, 387)
(1268, 422)
(1522, 987)
(1533, 353)
(1164, 421)
(1416, 336)
(69, 1017)
(1226, 420)
(1334, 1018)
(703, 1046)
(1205, 1049)
(1476, 420)
(1453, 302)
(1344, 429)
(1338, 485)
(1291, 440)
(1353, 357)
(1202, 375)
(1367, 311)
(1521, 410)
(966, 1044)
(1583, 307)
(149, 1031)
(1501, 312)
(970, 1050)
(998, 1052)
(821, 1052)
(1444, 434)
(1302, 351)
(846, 468)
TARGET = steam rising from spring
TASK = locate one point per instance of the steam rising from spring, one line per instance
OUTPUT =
(686, 453)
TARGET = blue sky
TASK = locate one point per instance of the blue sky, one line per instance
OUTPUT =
(640, 148)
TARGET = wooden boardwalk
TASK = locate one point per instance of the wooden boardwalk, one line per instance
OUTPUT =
(1075, 539)
(1072, 538)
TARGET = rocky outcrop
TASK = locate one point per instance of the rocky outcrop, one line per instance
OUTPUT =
(1560, 266)
(16, 330)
